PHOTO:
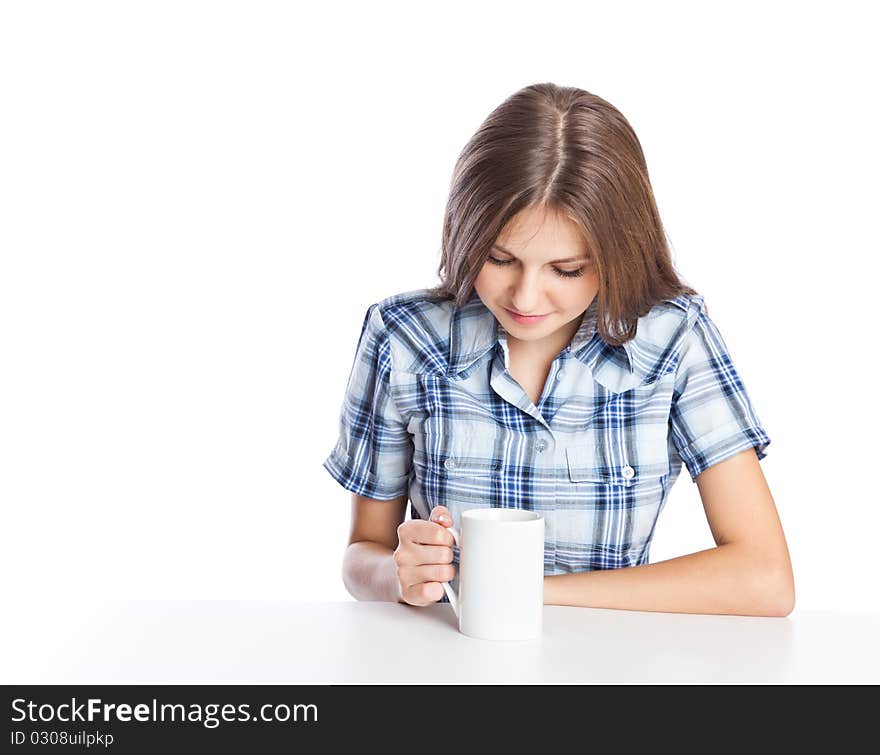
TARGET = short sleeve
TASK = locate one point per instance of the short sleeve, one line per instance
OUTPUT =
(712, 417)
(373, 454)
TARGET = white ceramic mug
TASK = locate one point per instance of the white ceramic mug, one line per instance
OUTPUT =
(500, 574)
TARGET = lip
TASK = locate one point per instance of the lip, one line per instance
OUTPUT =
(525, 319)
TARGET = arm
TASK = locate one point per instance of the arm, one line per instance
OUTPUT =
(368, 568)
(747, 573)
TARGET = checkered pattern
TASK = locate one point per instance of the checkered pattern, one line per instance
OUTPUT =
(431, 411)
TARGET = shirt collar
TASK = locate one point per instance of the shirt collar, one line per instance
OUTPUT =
(473, 330)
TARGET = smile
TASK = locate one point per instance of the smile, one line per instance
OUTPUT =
(525, 319)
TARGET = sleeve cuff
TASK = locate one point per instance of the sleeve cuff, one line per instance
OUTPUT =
(367, 485)
(721, 444)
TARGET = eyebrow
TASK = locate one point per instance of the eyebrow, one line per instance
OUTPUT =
(553, 262)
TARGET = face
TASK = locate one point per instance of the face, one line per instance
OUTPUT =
(540, 267)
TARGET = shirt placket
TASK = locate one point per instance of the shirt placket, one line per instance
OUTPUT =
(546, 453)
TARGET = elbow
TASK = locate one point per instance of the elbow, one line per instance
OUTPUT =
(781, 605)
(777, 594)
(770, 590)
(785, 588)
(785, 599)
(347, 572)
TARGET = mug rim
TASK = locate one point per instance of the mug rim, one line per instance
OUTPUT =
(520, 516)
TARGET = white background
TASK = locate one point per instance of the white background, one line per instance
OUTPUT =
(199, 201)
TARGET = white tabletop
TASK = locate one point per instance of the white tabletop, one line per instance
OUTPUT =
(253, 642)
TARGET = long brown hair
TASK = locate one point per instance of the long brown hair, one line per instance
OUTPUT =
(569, 151)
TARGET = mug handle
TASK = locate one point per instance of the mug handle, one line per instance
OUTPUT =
(450, 593)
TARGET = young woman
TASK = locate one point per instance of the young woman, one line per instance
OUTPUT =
(561, 366)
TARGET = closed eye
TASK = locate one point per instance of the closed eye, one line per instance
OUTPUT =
(562, 273)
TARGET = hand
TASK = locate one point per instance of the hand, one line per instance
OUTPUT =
(424, 558)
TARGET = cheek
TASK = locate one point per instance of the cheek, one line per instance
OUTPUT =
(486, 280)
(579, 293)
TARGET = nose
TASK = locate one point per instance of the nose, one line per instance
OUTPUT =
(525, 295)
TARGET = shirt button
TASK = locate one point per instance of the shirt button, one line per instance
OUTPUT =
(628, 472)
(540, 445)
(449, 463)
(560, 374)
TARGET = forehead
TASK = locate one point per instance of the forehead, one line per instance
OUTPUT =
(542, 233)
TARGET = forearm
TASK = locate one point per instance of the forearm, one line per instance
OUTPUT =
(726, 579)
(369, 572)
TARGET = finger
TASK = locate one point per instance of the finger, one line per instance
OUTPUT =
(433, 591)
(413, 575)
(416, 587)
(441, 515)
(429, 533)
(424, 593)
(415, 554)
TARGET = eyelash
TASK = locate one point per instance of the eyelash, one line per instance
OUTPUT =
(562, 273)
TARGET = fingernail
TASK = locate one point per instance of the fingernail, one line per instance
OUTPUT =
(443, 518)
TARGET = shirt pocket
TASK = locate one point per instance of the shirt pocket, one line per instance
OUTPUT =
(608, 500)
(456, 468)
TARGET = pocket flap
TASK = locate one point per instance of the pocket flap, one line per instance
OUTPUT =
(585, 464)
(460, 464)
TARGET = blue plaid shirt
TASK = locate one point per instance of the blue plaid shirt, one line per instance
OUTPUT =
(432, 411)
